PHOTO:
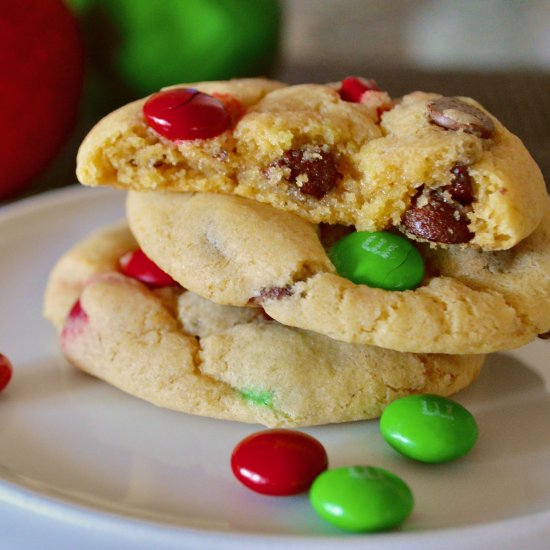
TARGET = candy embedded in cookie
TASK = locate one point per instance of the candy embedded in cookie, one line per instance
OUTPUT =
(137, 265)
(379, 260)
(365, 91)
(342, 153)
(239, 252)
(353, 88)
(185, 113)
(180, 351)
(451, 113)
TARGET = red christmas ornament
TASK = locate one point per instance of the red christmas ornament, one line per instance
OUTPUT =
(42, 62)
(75, 323)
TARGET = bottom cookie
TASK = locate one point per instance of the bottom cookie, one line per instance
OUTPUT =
(180, 351)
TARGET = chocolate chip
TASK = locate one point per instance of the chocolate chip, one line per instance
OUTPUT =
(545, 335)
(452, 113)
(313, 170)
(432, 218)
(461, 185)
(271, 293)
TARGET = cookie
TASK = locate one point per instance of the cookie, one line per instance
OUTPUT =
(176, 350)
(236, 251)
(440, 169)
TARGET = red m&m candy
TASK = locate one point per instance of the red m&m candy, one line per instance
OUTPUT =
(353, 88)
(186, 113)
(278, 462)
(6, 371)
(75, 323)
(138, 266)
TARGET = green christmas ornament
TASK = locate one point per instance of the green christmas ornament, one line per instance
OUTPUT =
(139, 46)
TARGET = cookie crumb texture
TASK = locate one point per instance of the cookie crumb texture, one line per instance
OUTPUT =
(304, 149)
(177, 350)
(235, 251)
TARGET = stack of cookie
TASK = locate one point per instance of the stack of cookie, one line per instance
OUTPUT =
(222, 294)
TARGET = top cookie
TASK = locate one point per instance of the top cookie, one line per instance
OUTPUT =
(441, 169)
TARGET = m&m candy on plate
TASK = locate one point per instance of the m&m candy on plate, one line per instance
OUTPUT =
(278, 462)
(429, 428)
(361, 498)
(185, 113)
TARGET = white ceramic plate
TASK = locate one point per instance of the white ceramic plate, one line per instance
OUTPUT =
(84, 465)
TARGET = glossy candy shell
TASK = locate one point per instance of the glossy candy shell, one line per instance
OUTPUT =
(185, 114)
(278, 462)
(353, 88)
(429, 428)
(361, 498)
(378, 259)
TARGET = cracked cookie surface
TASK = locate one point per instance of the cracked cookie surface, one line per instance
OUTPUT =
(236, 251)
(368, 163)
(177, 350)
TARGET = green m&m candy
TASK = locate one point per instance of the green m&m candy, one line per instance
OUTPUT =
(428, 428)
(378, 259)
(361, 498)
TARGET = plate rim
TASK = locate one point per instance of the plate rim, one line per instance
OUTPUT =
(528, 527)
